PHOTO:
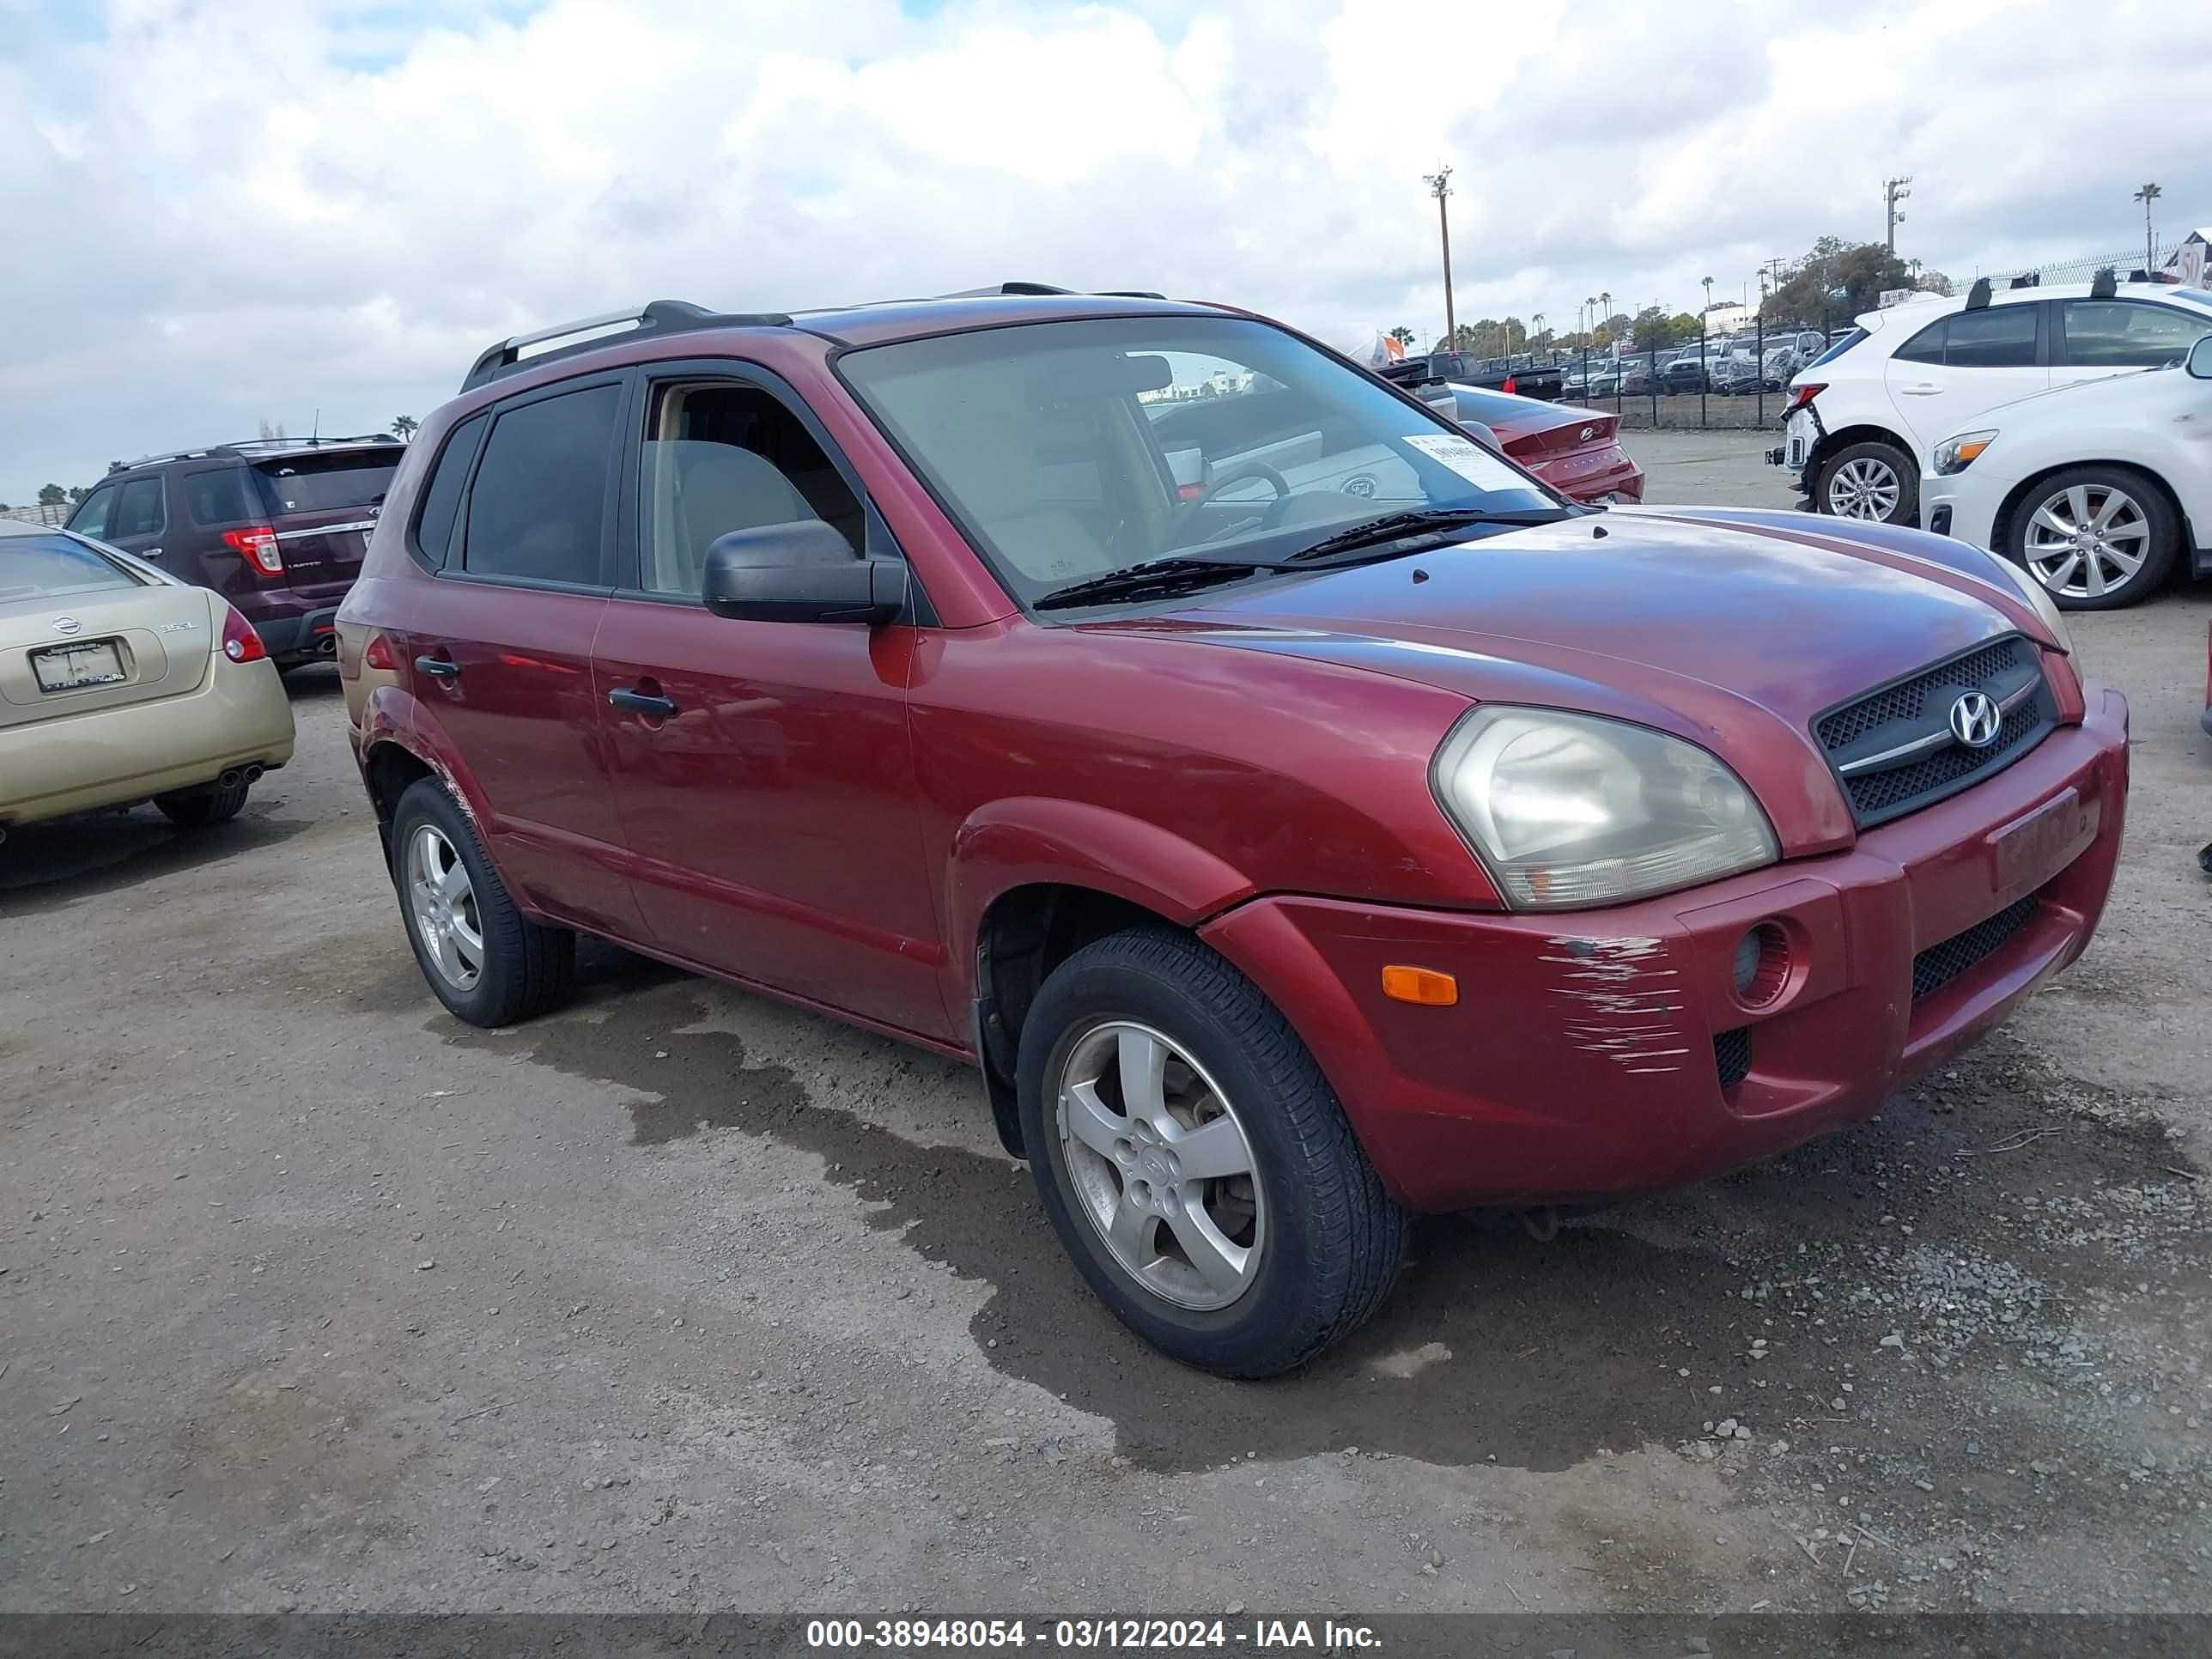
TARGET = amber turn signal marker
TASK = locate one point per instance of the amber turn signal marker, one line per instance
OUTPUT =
(1423, 985)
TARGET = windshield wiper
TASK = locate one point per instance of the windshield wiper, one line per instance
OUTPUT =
(1153, 578)
(1392, 527)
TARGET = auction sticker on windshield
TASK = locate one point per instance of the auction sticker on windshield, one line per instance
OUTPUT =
(1462, 455)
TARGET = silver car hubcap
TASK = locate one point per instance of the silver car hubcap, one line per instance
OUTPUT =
(1864, 488)
(2088, 540)
(1161, 1166)
(445, 907)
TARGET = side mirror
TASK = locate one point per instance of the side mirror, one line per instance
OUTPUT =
(802, 572)
(2200, 359)
(1480, 432)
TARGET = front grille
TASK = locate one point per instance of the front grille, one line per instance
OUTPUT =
(1732, 1056)
(1939, 964)
(1858, 735)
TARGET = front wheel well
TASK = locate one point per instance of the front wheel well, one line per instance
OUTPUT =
(1027, 932)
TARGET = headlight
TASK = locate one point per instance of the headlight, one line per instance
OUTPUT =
(2046, 606)
(1569, 809)
(1957, 454)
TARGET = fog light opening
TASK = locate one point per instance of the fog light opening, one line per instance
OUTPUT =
(1762, 965)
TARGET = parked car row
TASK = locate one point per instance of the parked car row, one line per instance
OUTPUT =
(1215, 773)
(2039, 421)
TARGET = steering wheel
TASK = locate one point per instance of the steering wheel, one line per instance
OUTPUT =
(1271, 515)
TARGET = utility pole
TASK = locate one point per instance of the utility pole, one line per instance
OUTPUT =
(1894, 191)
(1439, 184)
(2146, 195)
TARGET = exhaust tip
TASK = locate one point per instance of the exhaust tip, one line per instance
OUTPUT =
(253, 772)
(231, 779)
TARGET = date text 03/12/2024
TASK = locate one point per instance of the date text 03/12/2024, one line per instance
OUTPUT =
(918, 1635)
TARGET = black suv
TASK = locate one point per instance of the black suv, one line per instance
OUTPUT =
(275, 526)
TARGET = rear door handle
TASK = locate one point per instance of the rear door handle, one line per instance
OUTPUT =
(438, 668)
(642, 703)
(1922, 389)
(151, 553)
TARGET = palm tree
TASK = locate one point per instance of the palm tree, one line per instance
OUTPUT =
(1403, 335)
(1709, 293)
(2146, 195)
(405, 427)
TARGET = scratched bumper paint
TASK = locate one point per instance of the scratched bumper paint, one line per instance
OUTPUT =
(1578, 1061)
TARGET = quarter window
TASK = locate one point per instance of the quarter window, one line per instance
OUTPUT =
(721, 456)
(2128, 333)
(139, 510)
(441, 499)
(218, 497)
(538, 507)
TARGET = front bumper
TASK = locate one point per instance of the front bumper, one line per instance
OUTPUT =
(1963, 506)
(1581, 1061)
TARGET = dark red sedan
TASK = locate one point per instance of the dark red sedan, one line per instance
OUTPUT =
(1576, 450)
(1299, 814)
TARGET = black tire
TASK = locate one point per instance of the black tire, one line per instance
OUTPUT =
(526, 967)
(2149, 501)
(204, 808)
(1334, 1239)
(1903, 471)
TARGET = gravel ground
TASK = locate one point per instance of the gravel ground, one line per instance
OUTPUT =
(310, 1297)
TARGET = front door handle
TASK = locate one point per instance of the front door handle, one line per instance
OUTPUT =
(438, 668)
(151, 553)
(642, 703)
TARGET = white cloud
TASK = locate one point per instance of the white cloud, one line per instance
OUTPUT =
(220, 210)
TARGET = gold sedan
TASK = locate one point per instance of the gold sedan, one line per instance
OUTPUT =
(119, 683)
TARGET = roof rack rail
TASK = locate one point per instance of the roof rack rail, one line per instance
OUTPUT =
(995, 288)
(1129, 294)
(659, 317)
(256, 445)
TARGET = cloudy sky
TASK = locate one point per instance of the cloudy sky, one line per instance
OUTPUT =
(223, 211)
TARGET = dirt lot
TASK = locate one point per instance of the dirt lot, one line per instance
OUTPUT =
(312, 1297)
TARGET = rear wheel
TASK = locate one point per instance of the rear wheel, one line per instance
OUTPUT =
(1195, 1161)
(201, 808)
(1874, 481)
(485, 960)
(2097, 537)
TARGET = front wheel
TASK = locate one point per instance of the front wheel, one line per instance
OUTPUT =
(1874, 481)
(1195, 1161)
(2097, 537)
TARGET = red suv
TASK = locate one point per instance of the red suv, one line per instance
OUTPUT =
(1335, 824)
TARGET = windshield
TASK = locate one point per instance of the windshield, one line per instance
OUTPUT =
(1070, 450)
(322, 483)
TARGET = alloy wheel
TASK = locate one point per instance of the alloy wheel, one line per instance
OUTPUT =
(2088, 540)
(1864, 488)
(444, 903)
(1160, 1164)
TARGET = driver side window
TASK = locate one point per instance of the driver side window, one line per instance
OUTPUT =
(721, 456)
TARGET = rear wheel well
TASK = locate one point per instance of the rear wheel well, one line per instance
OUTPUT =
(389, 772)
(1833, 443)
(1026, 934)
(2016, 498)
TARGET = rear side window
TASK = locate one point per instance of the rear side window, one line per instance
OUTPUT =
(1839, 348)
(2127, 333)
(43, 567)
(441, 499)
(220, 496)
(326, 483)
(1996, 336)
(538, 506)
(137, 510)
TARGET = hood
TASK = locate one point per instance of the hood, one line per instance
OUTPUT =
(1734, 629)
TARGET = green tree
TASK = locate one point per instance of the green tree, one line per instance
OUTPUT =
(1837, 280)
(405, 427)
(79, 492)
(51, 494)
(1403, 335)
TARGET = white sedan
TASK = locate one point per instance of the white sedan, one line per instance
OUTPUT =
(2095, 489)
